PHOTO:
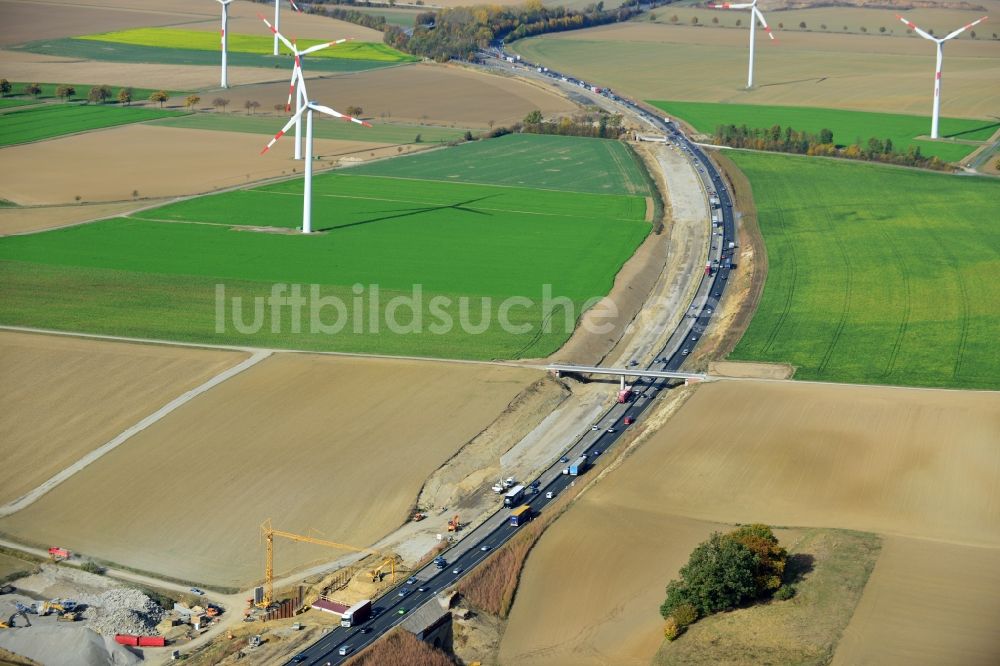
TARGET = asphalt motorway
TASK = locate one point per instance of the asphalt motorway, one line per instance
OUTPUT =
(398, 603)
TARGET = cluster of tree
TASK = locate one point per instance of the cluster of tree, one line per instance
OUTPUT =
(600, 125)
(790, 140)
(458, 32)
(351, 16)
(725, 572)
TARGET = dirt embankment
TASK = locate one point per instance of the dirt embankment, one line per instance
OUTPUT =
(477, 464)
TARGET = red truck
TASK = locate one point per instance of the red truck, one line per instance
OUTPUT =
(140, 641)
(625, 395)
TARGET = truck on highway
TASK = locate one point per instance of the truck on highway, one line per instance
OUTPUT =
(578, 466)
(625, 395)
(520, 515)
(513, 495)
(356, 614)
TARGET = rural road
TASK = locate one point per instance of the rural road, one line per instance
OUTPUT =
(475, 546)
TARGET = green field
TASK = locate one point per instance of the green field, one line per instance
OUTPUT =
(7, 103)
(526, 160)
(49, 92)
(157, 276)
(52, 120)
(876, 274)
(115, 52)
(262, 44)
(379, 132)
(848, 127)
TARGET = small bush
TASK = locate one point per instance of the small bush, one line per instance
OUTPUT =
(684, 615)
(93, 567)
(784, 593)
(670, 629)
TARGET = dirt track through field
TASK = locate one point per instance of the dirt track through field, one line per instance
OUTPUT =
(338, 445)
(899, 461)
(63, 397)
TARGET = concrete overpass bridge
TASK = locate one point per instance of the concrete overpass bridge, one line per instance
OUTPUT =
(688, 377)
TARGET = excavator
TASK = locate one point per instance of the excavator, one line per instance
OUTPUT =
(10, 624)
(454, 525)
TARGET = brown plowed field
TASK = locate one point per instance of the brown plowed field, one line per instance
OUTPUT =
(926, 603)
(26, 220)
(423, 93)
(171, 162)
(922, 463)
(863, 72)
(29, 20)
(338, 445)
(63, 397)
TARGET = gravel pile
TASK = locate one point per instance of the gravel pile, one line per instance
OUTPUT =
(123, 611)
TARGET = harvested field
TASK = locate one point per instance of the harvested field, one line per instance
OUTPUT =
(338, 445)
(187, 162)
(779, 453)
(927, 603)
(73, 395)
(864, 458)
(584, 598)
(423, 93)
(802, 69)
(25, 220)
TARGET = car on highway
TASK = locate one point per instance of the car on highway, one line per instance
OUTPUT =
(611, 431)
(366, 630)
(401, 611)
(484, 548)
(345, 650)
(457, 570)
(411, 581)
(422, 588)
(718, 293)
(403, 592)
(301, 656)
(595, 427)
(549, 495)
(597, 453)
(685, 352)
(629, 420)
(564, 459)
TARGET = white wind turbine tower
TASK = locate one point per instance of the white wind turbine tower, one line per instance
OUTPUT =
(755, 15)
(940, 59)
(277, 20)
(297, 85)
(225, 20)
(307, 109)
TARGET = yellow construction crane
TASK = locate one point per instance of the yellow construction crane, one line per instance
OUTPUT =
(269, 533)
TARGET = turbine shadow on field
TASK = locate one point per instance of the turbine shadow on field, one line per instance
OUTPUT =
(991, 126)
(408, 212)
(819, 79)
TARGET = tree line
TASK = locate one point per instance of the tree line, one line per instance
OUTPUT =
(601, 125)
(789, 140)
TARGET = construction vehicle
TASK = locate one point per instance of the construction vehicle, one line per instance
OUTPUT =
(377, 572)
(268, 533)
(68, 617)
(255, 641)
(10, 623)
(418, 516)
(454, 525)
(58, 554)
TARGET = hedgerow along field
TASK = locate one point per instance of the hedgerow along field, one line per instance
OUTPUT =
(876, 274)
(526, 160)
(157, 276)
(848, 127)
(48, 92)
(262, 44)
(52, 120)
(380, 132)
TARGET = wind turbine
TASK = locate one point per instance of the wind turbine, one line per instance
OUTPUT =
(307, 109)
(225, 20)
(940, 58)
(297, 78)
(277, 20)
(755, 15)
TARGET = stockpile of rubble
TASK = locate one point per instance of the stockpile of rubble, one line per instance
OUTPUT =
(123, 611)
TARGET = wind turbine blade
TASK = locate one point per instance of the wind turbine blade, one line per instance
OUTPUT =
(337, 114)
(319, 47)
(291, 89)
(760, 17)
(283, 130)
(913, 26)
(965, 27)
(284, 41)
(295, 6)
(726, 5)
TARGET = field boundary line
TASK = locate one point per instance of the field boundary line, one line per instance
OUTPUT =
(901, 387)
(33, 496)
(270, 350)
